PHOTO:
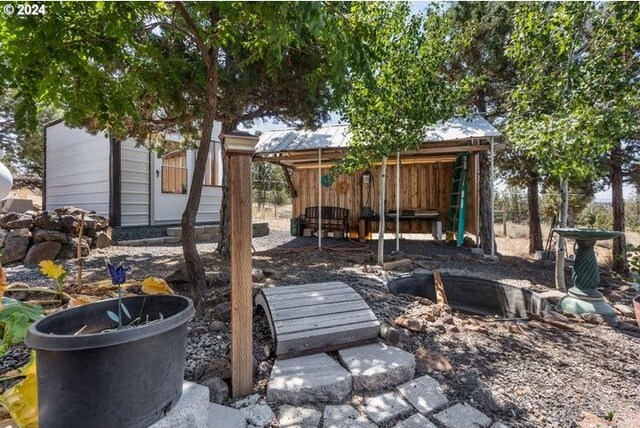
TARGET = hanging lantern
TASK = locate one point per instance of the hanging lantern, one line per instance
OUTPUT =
(6, 181)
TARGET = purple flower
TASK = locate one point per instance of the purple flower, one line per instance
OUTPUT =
(118, 274)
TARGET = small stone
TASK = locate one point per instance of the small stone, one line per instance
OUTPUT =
(218, 367)
(102, 240)
(264, 369)
(592, 318)
(249, 400)
(69, 223)
(424, 393)
(216, 326)
(500, 425)
(16, 244)
(405, 334)
(42, 251)
(259, 415)
(344, 417)
(409, 323)
(48, 220)
(13, 220)
(257, 275)
(429, 362)
(223, 311)
(463, 416)
(218, 389)
(298, 417)
(384, 408)
(625, 311)
(44, 235)
(415, 421)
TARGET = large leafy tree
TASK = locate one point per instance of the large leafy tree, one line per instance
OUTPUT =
(577, 88)
(406, 87)
(143, 69)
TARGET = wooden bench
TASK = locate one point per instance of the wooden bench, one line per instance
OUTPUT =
(332, 218)
(311, 318)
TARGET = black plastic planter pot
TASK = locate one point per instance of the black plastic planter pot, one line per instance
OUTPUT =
(127, 378)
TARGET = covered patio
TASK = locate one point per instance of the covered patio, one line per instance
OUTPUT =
(421, 185)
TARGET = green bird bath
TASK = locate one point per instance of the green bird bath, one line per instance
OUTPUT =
(583, 296)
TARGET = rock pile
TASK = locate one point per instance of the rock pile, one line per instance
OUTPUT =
(35, 236)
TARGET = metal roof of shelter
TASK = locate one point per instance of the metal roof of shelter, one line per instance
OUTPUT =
(338, 136)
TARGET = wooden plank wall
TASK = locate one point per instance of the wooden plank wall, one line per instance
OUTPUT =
(424, 186)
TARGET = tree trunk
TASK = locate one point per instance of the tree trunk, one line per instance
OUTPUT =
(224, 241)
(619, 251)
(535, 230)
(561, 248)
(381, 224)
(486, 227)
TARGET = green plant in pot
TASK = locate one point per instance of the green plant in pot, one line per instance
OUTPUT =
(122, 358)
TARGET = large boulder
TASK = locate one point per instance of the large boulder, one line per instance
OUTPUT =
(70, 250)
(48, 220)
(16, 221)
(16, 244)
(46, 235)
(102, 222)
(42, 251)
(69, 223)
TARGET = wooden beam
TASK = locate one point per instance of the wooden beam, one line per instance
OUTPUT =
(287, 176)
(241, 285)
(441, 297)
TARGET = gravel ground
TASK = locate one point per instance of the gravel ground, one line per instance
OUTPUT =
(525, 376)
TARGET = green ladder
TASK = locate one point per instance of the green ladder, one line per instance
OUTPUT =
(458, 205)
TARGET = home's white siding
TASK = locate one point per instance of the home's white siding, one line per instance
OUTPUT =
(209, 209)
(134, 182)
(77, 169)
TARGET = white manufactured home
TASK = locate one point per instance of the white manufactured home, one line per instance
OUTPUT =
(131, 185)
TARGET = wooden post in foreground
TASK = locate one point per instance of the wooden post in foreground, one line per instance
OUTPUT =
(239, 147)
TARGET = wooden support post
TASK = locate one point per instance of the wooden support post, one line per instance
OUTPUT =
(240, 150)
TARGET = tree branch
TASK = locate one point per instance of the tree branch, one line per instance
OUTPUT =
(195, 34)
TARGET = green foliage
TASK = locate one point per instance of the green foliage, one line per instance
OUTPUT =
(405, 86)
(15, 319)
(577, 91)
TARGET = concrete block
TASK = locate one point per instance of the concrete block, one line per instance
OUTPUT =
(16, 205)
(174, 231)
(298, 417)
(311, 379)
(386, 407)
(223, 416)
(204, 237)
(415, 421)
(172, 240)
(378, 366)
(345, 417)
(191, 411)
(463, 416)
(425, 394)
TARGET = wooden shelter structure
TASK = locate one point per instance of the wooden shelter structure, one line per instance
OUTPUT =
(422, 188)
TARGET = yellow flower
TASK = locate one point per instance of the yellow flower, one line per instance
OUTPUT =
(52, 270)
(154, 285)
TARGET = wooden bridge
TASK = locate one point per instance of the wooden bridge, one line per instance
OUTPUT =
(310, 318)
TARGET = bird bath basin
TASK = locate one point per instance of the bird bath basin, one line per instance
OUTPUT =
(584, 296)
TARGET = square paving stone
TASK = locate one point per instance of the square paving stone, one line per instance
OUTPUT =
(416, 421)
(310, 379)
(425, 394)
(378, 367)
(345, 416)
(463, 416)
(384, 408)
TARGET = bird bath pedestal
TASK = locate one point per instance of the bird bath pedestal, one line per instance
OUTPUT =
(584, 296)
